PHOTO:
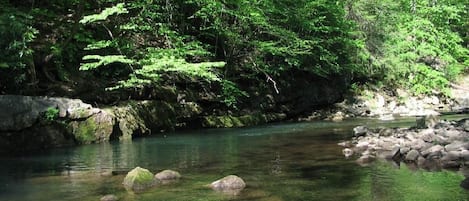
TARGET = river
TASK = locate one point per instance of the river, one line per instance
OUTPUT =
(288, 161)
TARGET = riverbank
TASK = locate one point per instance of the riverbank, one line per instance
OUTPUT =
(388, 104)
(32, 123)
(430, 144)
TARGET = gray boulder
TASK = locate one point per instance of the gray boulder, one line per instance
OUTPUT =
(167, 176)
(433, 150)
(396, 153)
(412, 155)
(20, 112)
(451, 156)
(30, 123)
(230, 184)
(464, 124)
(360, 131)
(457, 146)
(465, 155)
(404, 150)
(347, 152)
(428, 121)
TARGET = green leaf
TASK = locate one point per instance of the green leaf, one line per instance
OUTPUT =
(98, 45)
(115, 10)
(103, 61)
(4, 65)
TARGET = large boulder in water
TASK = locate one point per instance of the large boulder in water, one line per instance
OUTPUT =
(138, 180)
(231, 184)
(29, 123)
(20, 112)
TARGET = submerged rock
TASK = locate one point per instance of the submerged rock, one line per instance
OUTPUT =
(231, 184)
(139, 179)
(365, 160)
(109, 197)
(167, 176)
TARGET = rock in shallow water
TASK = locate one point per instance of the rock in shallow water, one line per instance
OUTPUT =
(434, 150)
(231, 184)
(360, 131)
(347, 152)
(167, 176)
(365, 160)
(396, 153)
(412, 155)
(109, 198)
(139, 179)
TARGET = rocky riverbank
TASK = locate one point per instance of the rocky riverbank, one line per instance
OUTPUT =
(431, 144)
(387, 104)
(30, 123)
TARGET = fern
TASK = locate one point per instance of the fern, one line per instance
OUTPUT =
(99, 45)
(151, 72)
(115, 10)
(103, 61)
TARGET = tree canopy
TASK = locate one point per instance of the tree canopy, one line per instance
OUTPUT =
(421, 45)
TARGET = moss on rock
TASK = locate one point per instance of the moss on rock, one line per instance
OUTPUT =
(97, 128)
(229, 121)
(138, 180)
(84, 133)
(137, 118)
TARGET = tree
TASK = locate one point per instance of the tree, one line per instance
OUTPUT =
(414, 43)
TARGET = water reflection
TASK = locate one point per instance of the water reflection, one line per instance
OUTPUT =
(278, 162)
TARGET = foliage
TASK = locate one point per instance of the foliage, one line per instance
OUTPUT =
(155, 60)
(115, 10)
(103, 61)
(413, 46)
(418, 44)
(276, 36)
(51, 114)
(16, 34)
(103, 44)
(231, 93)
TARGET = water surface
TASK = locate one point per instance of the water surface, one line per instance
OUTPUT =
(293, 161)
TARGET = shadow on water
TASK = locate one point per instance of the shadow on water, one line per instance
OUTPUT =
(296, 161)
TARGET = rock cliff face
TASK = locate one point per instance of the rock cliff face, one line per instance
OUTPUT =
(34, 123)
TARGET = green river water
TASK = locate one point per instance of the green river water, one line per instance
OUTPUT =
(289, 162)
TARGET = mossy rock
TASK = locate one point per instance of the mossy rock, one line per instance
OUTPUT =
(97, 128)
(139, 179)
(140, 118)
(229, 121)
